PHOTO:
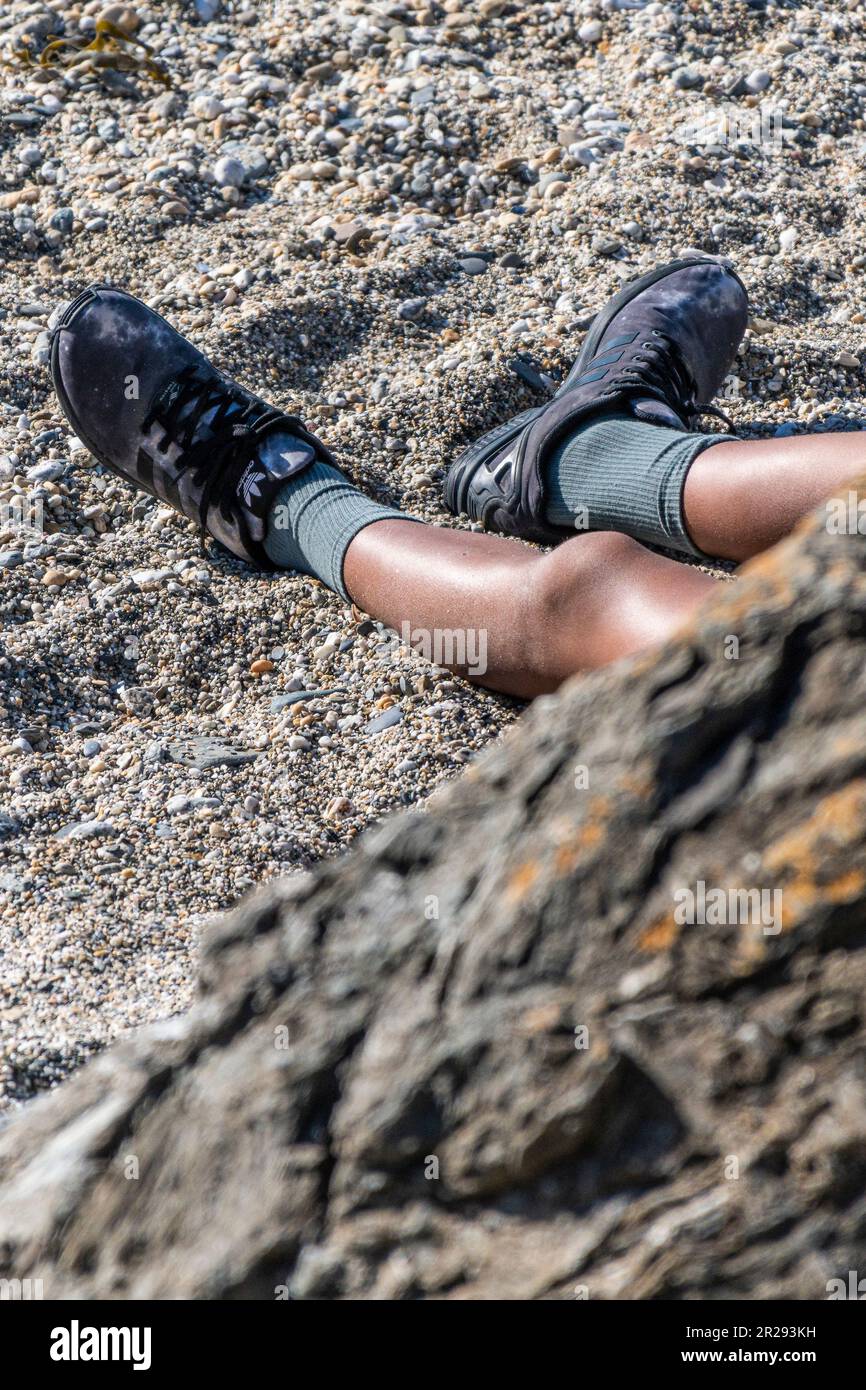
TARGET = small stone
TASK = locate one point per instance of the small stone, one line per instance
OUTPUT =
(150, 579)
(590, 31)
(319, 72)
(203, 752)
(123, 16)
(411, 309)
(554, 189)
(788, 239)
(229, 172)
(296, 697)
(261, 667)
(207, 105)
(386, 720)
(758, 81)
(55, 578)
(846, 359)
(605, 246)
(473, 265)
(299, 744)
(46, 472)
(85, 830)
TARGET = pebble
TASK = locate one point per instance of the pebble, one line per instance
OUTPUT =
(229, 172)
(85, 830)
(383, 721)
(296, 697)
(473, 265)
(758, 80)
(411, 308)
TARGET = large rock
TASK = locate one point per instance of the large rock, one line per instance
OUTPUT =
(483, 1056)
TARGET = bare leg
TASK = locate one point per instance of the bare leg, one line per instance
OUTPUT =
(599, 596)
(741, 497)
(543, 617)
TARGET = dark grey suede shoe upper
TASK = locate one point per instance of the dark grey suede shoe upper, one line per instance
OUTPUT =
(151, 407)
(660, 350)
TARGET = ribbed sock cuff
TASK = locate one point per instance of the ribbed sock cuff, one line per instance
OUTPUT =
(314, 519)
(615, 473)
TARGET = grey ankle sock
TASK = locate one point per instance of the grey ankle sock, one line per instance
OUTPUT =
(615, 473)
(314, 518)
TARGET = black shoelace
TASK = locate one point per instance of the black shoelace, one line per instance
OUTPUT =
(657, 366)
(232, 439)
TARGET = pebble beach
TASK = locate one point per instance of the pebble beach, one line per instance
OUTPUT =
(396, 220)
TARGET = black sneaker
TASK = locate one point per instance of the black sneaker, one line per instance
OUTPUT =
(151, 407)
(660, 349)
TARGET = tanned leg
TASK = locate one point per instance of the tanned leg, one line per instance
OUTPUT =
(595, 598)
(599, 596)
(742, 496)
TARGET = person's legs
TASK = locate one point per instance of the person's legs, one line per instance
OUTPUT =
(537, 618)
(269, 490)
(601, 595)
(265, 487)
(743, 496)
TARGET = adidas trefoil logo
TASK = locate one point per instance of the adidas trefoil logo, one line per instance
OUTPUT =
(249, 484)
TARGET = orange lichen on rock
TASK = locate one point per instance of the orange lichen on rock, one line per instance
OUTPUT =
(521, 881)
(637, 782)
(660, 935)
(838, 822)
(543, 1018)
(569, 855)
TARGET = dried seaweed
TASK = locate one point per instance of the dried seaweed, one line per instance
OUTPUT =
(111, 47)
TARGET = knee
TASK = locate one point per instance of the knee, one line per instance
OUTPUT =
(579, 571)
(574, 589)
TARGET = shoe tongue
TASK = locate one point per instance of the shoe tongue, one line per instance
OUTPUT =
(279, 457)
(656, 413)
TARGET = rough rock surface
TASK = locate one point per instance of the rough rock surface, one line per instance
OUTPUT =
(480, 1056)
